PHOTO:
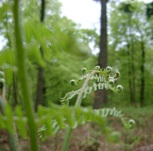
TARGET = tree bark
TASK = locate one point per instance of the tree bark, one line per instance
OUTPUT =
(101, 96)
(39, 93)
(40, 77)
(131, 78)
(102, 59)
(133, 73)
(142, 69)
(142, 84)
(131, 66)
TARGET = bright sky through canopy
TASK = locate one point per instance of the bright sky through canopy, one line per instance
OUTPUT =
(84, 12)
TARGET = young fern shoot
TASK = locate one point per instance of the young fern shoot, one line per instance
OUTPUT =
(97, 79)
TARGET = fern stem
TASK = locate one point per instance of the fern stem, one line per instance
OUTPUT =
(22, 76)
(79, 98)
(78, 103)
(13, 141)
(67, 140)
(13, 138)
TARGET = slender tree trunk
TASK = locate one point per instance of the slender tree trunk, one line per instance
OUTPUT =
(133, 72)
(102, 59)
(101, 96)
(129, 73)
(40, 77)
(142, 68)
(142, 84)
(40, 81)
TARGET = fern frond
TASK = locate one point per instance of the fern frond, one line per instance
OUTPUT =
(71, 117)
(69, 96)
(93, 80)
(51, 120)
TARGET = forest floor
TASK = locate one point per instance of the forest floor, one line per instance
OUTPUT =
(90, 138)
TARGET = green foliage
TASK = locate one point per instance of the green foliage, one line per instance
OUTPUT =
(59, 43)
(130, 34)
(52, 119)
(71, 117)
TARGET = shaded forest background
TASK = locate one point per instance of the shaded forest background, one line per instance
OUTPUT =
(57, 48)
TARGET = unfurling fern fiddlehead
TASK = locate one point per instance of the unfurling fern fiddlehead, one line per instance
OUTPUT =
(93, 80)
(101, 79)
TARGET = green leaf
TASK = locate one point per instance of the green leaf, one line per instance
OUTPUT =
(21, 121)
(8, 118)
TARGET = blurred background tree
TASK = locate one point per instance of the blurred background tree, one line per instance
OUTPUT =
(101, 96)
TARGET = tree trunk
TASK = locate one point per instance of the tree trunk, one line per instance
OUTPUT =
(133, 72)
(102, 59)
(131, 66)
(142, 70)
(39, 94)
(131, 77)
(101, 96)
(40, 78)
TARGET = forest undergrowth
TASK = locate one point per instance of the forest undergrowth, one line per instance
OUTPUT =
(90, 138)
